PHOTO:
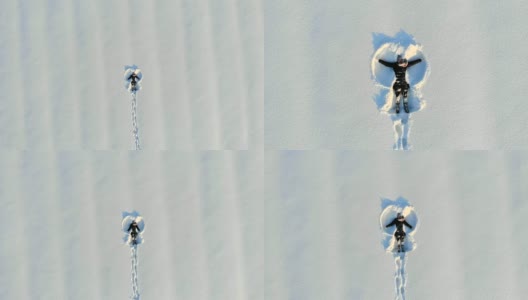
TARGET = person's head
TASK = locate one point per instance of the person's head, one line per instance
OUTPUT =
(400, 216)
(402, 62)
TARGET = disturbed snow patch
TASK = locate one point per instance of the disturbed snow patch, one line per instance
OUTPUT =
(128, 218)
(389, 211)
(388, 48)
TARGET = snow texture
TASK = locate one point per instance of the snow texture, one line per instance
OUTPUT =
(390, 209)
(61, 221)
(62, 66)
(388, 48)
(319, 91)
(323, 236)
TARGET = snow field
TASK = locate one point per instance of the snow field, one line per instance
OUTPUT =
(62, 65)
(323, 228)
(476, 92)
(62, 237)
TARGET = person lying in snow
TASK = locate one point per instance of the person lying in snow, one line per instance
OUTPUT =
(133, 78)
(399, 234)
(400, 86)
(133, 229)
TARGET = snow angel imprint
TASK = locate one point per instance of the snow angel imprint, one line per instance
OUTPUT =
(400, 86)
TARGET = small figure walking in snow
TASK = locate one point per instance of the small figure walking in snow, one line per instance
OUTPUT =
(399, 234)
(400, 86)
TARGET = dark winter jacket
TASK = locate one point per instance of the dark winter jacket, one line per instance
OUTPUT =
(133, 79)
(399, 224)
(134, 227)
(399, 71)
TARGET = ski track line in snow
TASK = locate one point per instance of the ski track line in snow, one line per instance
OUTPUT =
(155, 101)
(100, 107)
(231, 185)
(253, 72)
(197, 181)
(215, 127)
(69, 111)
(175, 65)
(12, 127)
(239, 85)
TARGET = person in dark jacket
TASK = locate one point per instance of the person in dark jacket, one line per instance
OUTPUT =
(400, 86)
(133, 81)
(133, 229)
(399, 234)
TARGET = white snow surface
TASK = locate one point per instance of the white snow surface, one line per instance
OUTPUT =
(323, 229)
(61, 218)
(318, 88)
(62, 66)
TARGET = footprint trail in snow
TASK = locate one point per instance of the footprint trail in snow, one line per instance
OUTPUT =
(133, 78)
(134, 275)
(400, 276)
(133, 226)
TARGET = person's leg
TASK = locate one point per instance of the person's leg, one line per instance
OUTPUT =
(405, 93)
(400, 243)
(398, 237)
(397, 92)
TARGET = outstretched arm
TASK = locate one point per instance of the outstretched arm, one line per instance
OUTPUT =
(386, 63)
(133, 77)
(414, 62)
(391, 223)
(407, 224)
